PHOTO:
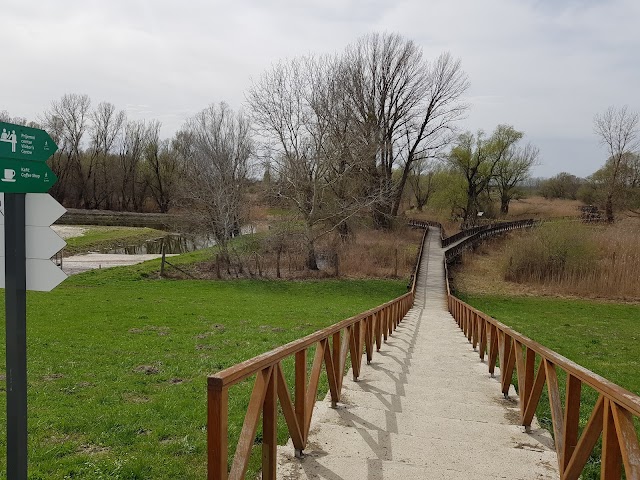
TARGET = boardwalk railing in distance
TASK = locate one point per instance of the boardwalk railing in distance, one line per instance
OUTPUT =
(473, 235)
(355, 336)
(612, 418)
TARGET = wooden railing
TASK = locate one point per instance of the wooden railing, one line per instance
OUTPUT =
(471, 235)
(353, 337)
(535, 365)
(478, 236)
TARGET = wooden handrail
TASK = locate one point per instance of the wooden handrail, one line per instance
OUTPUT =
(613, 415)
(361, 334)
(472, 235)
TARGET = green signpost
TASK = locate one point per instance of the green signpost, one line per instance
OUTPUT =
(25, 143)
(25, 177)
(23, 153)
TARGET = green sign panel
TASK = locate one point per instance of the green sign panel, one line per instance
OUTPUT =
(24, 143)
(25, 177)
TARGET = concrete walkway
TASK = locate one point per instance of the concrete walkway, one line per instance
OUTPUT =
(425, 408)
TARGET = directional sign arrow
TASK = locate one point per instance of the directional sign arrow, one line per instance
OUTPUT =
(25, 177)
(41, 242)
(42, 275)
(25, 143)
(41, 209)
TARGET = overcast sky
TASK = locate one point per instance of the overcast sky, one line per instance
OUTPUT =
(544, 66)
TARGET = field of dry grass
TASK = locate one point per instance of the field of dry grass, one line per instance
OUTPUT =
(369, 253)
(605, 266)
(542, 208)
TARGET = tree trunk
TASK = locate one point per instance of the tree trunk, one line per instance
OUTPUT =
(504, 205)
(609, 207)
(344, 231)
(470, 210)
(382, 217)
(312, 264)
(397, 197)
(278, 255)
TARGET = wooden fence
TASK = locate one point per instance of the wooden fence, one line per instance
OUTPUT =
(472, 236)
(535, 365)
(612, 417)
(353, 337)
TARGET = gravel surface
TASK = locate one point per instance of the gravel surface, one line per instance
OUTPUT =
(68, 231)
(90, 261)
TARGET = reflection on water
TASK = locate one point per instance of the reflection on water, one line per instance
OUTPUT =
(173, 243)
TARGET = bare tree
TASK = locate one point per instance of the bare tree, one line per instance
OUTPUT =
(617, 129)
(66, 121)
(300, 114)
(219, 149)
(512, 170)
(130, 158)
(105, 129)
(162, 168)
(406, 108)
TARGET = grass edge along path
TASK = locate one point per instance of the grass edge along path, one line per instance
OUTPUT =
(602, 337)
(117, 364)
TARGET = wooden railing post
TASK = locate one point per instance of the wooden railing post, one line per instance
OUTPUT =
(217, 424)
(270, 429)
(300, 389)
(571, 418)
(611, 456)
(335, 355)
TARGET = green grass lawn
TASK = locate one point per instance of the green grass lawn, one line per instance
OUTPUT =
(100, 238)
(117, 364)
(603, 337)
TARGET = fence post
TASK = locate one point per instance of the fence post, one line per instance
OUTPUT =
(217, 422)
(163, 260)
(270, 428)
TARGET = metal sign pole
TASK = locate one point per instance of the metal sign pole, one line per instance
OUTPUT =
(16, 325)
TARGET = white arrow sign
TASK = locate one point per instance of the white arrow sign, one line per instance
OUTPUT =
(41, 242)
(41, 209)
(42, 275)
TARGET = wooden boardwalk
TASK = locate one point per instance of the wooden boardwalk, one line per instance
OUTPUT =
(424, 409)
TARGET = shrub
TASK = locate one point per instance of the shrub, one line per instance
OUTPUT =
(551, 252)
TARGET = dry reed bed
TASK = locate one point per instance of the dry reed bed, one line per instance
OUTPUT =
(368, 253)
(577, 259)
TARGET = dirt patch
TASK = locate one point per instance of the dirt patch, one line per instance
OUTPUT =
(269, 328)
(176, 381)
(147, 369)
(91, 449)
(161, 331)
(133, 398)
(52, 376)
